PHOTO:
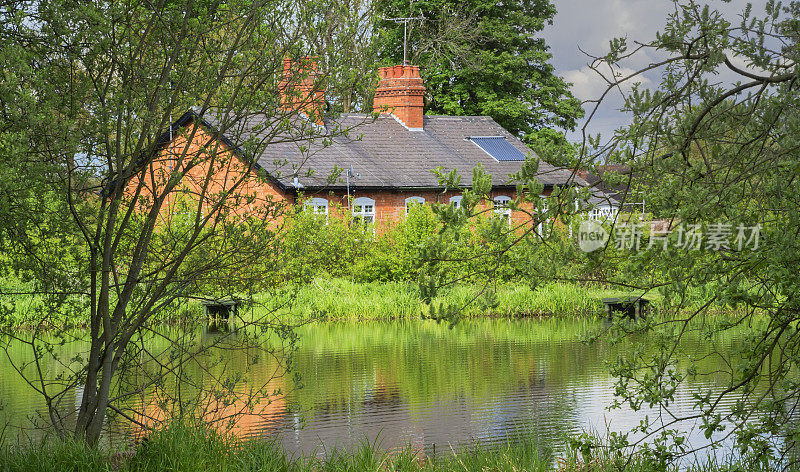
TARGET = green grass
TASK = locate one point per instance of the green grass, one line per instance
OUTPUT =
(342, 300)
(339, 299)
(198, 448)
(53, 456)
(15, 309)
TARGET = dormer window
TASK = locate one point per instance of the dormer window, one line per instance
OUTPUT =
(364, 210)
(411, 201)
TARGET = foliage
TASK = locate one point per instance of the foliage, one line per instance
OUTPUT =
(316, 246)
(726, 153)
(484, 57)
(53, 456)
(346, 48)
(337, 299)
(98, 217)
(188, 447)
(319, 244)
(714, 143)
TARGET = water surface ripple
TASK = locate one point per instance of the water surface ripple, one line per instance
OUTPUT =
(422, 384)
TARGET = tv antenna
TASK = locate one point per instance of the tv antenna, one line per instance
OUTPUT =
(351, 173)
(405, 21)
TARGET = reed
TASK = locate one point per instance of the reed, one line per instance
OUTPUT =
(193, 446)
(53, 456)
(190, 447)
(344, 300)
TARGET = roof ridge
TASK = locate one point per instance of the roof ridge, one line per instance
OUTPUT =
(461, 117)
(387, 155)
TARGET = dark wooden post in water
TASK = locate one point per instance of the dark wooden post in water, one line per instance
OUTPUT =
(630, 307)
(221, 309)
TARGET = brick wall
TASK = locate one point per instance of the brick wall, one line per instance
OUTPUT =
(205, 156)
(390, 205)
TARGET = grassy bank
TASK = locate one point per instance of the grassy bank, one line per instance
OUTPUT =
(341, 299)
(187, 449)
(200, 449)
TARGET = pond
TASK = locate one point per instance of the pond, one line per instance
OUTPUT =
(418, 383)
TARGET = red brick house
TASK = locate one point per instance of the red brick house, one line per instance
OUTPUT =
(382, 164)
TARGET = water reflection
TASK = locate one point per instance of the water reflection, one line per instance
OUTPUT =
(416, 383)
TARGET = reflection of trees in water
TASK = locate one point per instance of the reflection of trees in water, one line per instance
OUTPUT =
(428, 361)
(235, 389)
(23, 415)
(438, 384)
(422, 381)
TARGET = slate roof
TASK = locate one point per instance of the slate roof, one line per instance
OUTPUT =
(597, 180)
(600, 199)
(385, 153)
(621, 193)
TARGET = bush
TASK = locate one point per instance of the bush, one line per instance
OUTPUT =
(315, 246)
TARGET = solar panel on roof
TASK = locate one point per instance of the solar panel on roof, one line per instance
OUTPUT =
(499, 148)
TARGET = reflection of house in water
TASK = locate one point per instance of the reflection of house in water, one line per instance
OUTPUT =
(240, 416)
(385, 393)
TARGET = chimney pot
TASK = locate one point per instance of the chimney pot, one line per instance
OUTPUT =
(400, 92)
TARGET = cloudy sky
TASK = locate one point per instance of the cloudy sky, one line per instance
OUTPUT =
(590, 24)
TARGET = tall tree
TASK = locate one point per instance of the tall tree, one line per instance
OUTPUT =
(483, 57)
(346, 49)
(716, 145)
(109, 227)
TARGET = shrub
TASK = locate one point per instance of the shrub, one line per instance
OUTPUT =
(315, 246)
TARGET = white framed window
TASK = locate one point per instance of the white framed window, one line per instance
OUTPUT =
(410, 201)
(541, 227)
(456, 201)
(318, 206)
(500, 204)
(364, 210)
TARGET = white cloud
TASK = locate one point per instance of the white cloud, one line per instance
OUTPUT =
(590, 24)
(587, 84)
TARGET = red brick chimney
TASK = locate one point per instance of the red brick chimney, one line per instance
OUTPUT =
(400, 92)
(301, 90)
